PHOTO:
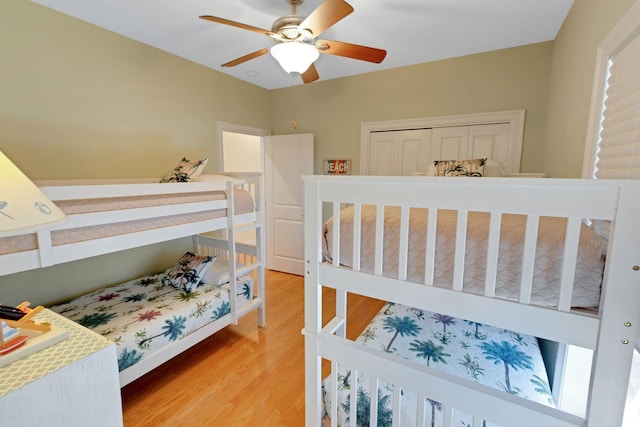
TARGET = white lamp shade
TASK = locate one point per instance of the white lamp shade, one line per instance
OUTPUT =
(23, 207)
(295, 57)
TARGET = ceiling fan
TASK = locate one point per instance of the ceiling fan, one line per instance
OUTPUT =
(297, 46)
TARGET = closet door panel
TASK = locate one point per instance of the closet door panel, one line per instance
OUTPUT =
(490, 141)
(415, 148)
(383, 154)
(404, 152)
(450, 143)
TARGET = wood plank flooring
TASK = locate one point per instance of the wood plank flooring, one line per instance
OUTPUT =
(242, 375)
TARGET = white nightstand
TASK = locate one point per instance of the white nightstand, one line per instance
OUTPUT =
(72, 383)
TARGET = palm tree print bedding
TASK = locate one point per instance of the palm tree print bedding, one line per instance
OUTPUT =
(143, 315)
(495, 357)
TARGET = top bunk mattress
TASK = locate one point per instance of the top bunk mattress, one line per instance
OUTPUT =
(100, 210)
(243, 204)
(547, 272)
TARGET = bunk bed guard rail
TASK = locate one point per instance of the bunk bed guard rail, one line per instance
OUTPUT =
(609, 333)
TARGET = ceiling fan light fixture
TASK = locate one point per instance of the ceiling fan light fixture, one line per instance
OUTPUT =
(295, 57)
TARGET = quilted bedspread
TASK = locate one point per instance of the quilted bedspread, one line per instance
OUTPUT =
(547, 269)
(497, 358)
(141, 316)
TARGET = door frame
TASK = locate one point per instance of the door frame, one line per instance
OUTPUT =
(247, 130)
(515, 118)
(264, 206)
(260, 199)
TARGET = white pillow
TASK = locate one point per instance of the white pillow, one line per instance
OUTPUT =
(431, 169)
(219, 274)
(494, 168)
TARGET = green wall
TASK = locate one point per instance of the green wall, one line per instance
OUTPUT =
(333, 110)
(572, 73)
(78, 101)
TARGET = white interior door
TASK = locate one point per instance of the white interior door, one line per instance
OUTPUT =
(287, 159)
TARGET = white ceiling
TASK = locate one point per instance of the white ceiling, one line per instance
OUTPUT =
(412, 31)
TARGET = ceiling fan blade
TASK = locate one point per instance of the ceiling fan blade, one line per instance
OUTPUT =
(237, 25)
(311, 75)
(328, 13)
(349, 50)
(246, 58)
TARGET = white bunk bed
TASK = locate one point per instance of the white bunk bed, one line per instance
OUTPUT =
(107, 216)
(608, 329)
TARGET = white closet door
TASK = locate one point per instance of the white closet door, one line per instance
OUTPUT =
(415, 146)
(399, 152)
(490, 141)
(450, 143)
(383, 154)
(403, 152)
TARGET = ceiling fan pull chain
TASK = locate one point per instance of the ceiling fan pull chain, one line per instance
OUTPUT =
(293, 105)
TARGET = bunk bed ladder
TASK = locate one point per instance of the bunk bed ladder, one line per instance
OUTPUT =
(243, 259)
(255, 263)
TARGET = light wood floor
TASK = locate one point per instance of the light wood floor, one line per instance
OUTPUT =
(242, 375)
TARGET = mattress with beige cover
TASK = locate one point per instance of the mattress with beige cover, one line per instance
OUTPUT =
(547, 268)
(244, 203)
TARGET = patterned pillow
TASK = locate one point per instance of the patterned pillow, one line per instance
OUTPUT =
(188, 271)
(186, 170)
(473, 167)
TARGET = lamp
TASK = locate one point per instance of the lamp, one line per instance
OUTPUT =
(295, 57)
(23, 207)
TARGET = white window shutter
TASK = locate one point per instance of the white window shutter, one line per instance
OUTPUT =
(618, 152)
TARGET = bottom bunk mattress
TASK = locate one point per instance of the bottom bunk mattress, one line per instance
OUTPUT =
(143, 315)
(495, 357)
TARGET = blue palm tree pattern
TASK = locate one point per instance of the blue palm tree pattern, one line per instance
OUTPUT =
(245, 290)
(542, 386)
(445, 320)
(479, 352)
(141, 315)
(429, 351)
(510, 356)
(472, 364)
(224, 309)
(128, 358)
(434, 406)
(403, 326)
(476, 330)
(363, 409)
